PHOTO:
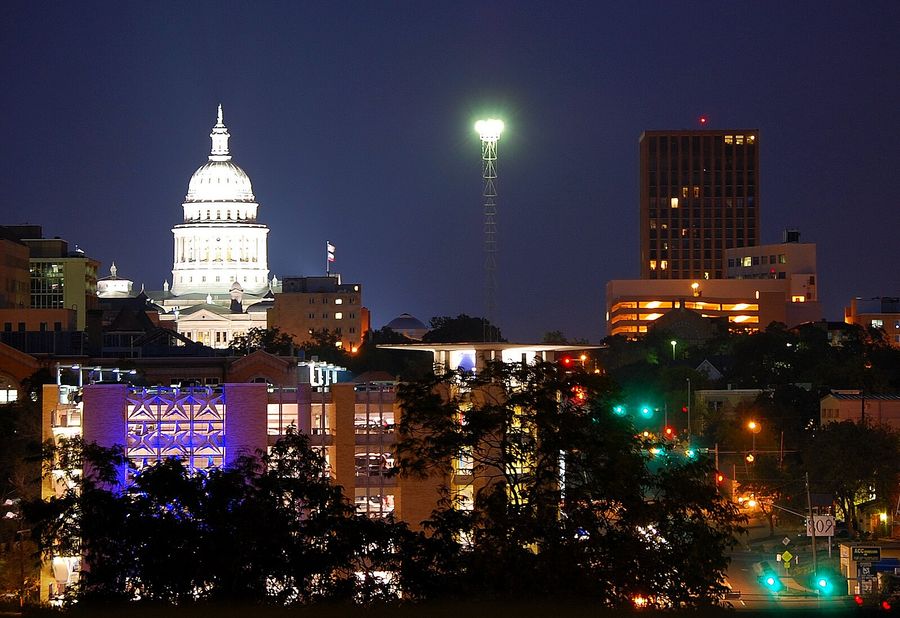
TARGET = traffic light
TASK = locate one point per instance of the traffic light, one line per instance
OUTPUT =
(684, 409)
(619, 410)
(567, 361)
(690, 453)
(750, 458)
(771, 581)
(720, 478)
(646, 411)
(823, 584)
(669, 432)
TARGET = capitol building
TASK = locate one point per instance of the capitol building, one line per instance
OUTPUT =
(220, 284)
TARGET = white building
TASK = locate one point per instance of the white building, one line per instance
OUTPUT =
(114, 286)
(220, 265)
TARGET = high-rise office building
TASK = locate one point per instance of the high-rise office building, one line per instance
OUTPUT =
(699, 197)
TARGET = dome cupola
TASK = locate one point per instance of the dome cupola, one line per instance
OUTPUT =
(220, 180)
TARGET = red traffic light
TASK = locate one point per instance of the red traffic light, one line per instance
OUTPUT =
(684, 409)
(566, 360)
(858, 600)
(669, 432)
(886, 605)
(720, 478)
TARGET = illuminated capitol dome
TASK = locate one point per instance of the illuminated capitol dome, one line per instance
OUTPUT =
(220, 242)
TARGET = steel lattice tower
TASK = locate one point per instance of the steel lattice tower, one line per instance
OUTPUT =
(489, 130)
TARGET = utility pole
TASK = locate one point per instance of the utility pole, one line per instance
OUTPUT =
(812, 523)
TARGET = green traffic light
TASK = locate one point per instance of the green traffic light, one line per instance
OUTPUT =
(691, 453)
(646, 411)
(772, 582)
(619, 410)
(823, 584)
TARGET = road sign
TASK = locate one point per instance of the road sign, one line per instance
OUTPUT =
(866, 553)
(786, 541)
(824, 525)
(786, 558)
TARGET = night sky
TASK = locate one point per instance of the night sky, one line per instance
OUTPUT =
(355, 120)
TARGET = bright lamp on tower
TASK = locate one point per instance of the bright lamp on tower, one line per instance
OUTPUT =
(489, 129)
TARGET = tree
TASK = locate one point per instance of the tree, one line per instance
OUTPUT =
(405, 364)
(270, 529)
(323, 344)
(461, 329)
(271, 340)
(567, 500)
(852, 461)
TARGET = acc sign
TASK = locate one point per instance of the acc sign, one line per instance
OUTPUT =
(824, 525)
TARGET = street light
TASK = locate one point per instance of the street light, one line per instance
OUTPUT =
(754, 428)
(674, 343)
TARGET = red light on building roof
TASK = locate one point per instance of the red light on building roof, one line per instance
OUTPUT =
(703, 119)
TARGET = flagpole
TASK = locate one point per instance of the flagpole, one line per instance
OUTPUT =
(327, 261)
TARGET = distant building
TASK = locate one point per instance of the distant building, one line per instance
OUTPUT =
(307, 304)
(747, 305)
(699, 197)
(59, 278)
(221, 254)
(114, 286)
(409, 326)
(853, 405)
(790, 260)
(14, 272)
(882, 313)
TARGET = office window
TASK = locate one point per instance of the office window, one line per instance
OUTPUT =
(338, 301)
(782, 259)
(338, 316)
(877, 323)
(746, 261)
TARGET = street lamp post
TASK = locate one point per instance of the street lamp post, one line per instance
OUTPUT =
(689, 407)
(674, 343)
(754, 428)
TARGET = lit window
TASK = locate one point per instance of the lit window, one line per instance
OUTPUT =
(696, 191)
(663, 264)
(739, 140)
(684, 191)
(798, 299)
(746, 261)
(338, 316)
(651, 316)
(652, 264)
(729, 139)
(674, 202)
(338, 301)
(751, 139)
(877, 323)
(782, 259)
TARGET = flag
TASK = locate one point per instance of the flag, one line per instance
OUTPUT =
(329, 249)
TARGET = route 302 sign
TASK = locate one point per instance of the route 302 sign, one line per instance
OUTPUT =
(824, 525)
